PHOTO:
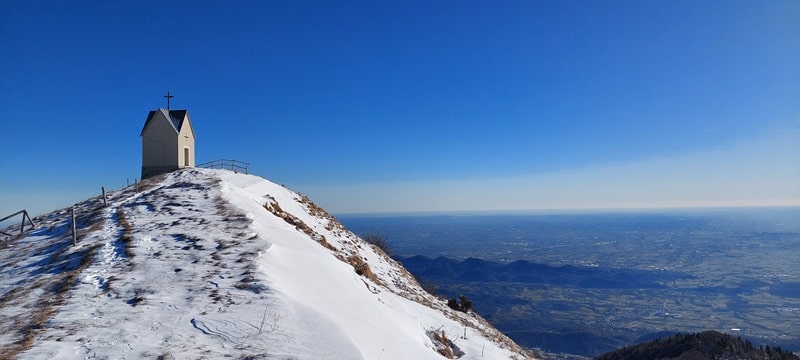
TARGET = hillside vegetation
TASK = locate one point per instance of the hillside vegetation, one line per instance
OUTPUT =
(698, 346)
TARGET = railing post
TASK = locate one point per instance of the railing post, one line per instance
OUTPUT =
(74, 233)
(25, 215)
(25, 212)
(105, 202)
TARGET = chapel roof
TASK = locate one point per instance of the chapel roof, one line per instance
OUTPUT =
(176, 118)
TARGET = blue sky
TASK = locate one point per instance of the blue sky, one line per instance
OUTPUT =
(415, 105)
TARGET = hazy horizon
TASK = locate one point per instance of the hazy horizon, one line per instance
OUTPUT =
(414, 106)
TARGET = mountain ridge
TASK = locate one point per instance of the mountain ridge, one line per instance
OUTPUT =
(208, 263)
(700, 346)
(523, 271)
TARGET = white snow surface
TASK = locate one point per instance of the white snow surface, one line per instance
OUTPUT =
(195, 266)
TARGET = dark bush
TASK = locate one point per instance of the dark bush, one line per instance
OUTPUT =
(430, 287)
(463, 304)
(379, 241)
(453, 304)
(466, 304)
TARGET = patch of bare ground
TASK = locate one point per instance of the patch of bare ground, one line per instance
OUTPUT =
(362, 268)
(237, 224)
(333, 224)
(312, 208)
(6, 241)
(152, 182)
(228, 212)
(90, 218)
(290, 219)
(443, 345)
(127, 229)
(248, 280)
(55, 289)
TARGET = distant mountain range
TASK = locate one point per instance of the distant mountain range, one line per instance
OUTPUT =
(522, 271)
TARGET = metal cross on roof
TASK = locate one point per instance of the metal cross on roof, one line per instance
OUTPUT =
(168, 96)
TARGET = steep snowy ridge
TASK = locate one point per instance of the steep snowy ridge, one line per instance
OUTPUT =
(210, 264)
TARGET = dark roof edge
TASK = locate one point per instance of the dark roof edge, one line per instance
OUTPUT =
(182, 114)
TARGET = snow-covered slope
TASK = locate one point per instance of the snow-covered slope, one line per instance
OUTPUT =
(212, 264)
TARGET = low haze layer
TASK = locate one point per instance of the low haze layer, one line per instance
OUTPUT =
(413, 106)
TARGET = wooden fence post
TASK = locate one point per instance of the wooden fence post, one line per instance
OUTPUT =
(22, 224)
(105, 203)
(74, 233)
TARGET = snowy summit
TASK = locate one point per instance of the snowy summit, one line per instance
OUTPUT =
(206, 264)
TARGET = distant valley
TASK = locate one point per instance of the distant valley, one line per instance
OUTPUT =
(589, 283)
(581, 310)
(446, 270)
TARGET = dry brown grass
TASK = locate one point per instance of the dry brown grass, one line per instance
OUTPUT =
(324, 242)
(47, 305)
(362, 268)
(90, 219)
(127, 229)
(445, 350)
(443, 345)
(333, 224)
(151, 182)
(13, 294)
(298, 224)
(228, 212)
(313, 209)
(6, 241)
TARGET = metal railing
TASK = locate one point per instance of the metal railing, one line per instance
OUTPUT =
(232, 165)
(22, 224)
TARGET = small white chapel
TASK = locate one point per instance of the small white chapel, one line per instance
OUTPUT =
(167, 141)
